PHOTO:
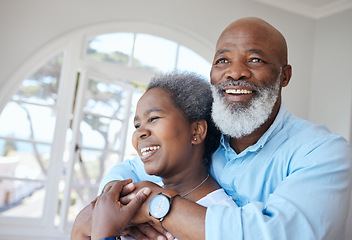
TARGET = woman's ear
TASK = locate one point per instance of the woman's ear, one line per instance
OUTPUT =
(199, 131)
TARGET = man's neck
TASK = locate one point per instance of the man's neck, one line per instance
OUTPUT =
(240, 144)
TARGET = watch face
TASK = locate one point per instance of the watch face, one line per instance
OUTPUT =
(159, 206)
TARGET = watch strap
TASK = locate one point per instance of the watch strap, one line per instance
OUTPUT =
(170, 193)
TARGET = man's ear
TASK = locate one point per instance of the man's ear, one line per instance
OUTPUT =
(199, 131)
(286, 75)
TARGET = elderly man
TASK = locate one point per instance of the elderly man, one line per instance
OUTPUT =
(290, 178)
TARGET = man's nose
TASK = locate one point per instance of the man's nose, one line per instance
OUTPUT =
(238, 71)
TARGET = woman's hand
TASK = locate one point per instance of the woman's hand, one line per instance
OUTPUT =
(142, 225)
(110, 217)
(142, 216)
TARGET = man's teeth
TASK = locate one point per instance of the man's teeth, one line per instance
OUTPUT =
(238, 91)
(145, 150)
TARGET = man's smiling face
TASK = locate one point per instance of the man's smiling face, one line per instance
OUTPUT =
(247, 77)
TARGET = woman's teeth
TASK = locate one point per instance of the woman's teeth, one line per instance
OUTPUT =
(146, 150)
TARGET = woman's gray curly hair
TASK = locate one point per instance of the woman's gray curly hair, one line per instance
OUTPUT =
(191, 93)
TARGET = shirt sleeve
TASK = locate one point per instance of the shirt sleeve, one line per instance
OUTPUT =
(133, 169)
(311, 202)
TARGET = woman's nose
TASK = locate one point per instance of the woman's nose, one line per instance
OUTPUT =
(142, 132)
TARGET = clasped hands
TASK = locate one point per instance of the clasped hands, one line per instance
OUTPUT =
(122, 209)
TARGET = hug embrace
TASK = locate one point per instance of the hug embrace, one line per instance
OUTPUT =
(225, 160)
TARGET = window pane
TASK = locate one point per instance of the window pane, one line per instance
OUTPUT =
(100, 132)
(80, 196)
(43, 85)
(130, 151)
(21, 198)
(27, 121)
(24, 159)
(105, 99)
(191, 61)
(88, 173)
(154, 53)
(113, 47)
(90, 168)
(24, 164)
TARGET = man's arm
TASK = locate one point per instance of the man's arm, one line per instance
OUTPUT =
(82, 226)
(311, 202)
(186, 219)
(191, 215)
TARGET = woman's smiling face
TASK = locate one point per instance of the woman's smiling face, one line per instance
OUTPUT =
(163, 135)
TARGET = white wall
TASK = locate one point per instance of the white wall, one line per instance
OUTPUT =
(331, 85)
(26, 26)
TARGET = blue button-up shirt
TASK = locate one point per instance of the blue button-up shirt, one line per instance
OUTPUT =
(294, 183)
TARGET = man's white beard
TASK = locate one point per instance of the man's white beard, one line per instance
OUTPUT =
(237, 120)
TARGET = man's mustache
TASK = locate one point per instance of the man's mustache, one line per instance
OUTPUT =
(240, 83)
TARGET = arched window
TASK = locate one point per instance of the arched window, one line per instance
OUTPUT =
(145, 51)
(66, 121)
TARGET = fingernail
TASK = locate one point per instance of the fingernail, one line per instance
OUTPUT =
(133, 195)
(160, 238)
(147, 191)
(129, 186)
(168, 235)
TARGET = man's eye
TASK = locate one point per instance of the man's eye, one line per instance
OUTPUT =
(221, 60)
(256, 60)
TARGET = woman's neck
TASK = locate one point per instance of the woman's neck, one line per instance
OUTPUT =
(192, 185)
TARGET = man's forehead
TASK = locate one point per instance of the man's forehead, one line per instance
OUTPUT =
(249, 41)
(239, 33)
(250, 38)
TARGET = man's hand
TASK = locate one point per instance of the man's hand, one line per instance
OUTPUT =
(110, 216)
(149, 230)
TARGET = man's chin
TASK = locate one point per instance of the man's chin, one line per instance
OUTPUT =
(240, 119)
(236, 106)
(237, 120)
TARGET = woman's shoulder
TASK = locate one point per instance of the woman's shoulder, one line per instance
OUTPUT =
(217, 197)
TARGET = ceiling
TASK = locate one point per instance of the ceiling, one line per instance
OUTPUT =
(311, 8)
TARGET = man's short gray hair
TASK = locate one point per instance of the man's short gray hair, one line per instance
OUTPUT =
(191, 93)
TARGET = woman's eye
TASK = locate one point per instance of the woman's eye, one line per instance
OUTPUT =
(136, 126)
(153, 118)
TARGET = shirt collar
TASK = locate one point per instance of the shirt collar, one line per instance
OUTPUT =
(273, 129)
